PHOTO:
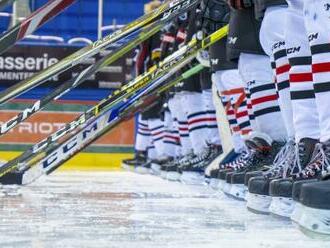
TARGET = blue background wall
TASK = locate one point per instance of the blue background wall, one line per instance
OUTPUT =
(80, 20)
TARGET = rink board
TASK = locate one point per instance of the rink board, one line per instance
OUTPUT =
(104, 155)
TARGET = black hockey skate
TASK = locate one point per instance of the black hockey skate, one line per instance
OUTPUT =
(144, 168)
(173, 166)
(139, 159)
(311, 191)
(193, 172)
(315, 207)
(230, 166)
(258, 199)
(158, 164)
(281, 189)
(262, 157)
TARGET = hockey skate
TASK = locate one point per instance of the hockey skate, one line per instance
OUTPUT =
(262, 156)
(281, 189)
(228, 164)
(213, 174)
(144, 168)
(157, 164)
(193, 172)
(313, 210)
(139, 159)
(258, 198)
(171, 167)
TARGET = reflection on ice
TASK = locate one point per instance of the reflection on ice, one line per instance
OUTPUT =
(128, 210)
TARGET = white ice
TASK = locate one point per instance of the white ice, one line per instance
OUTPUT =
(120, 209)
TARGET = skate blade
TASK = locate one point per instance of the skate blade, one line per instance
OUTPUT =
(238, 192)
(155, 169)
(127, 167)
(314, 235)
(192, 178)
(315, 221)
(297, 213)
(142, 170)
(258, 204)
(281, 207)
(173, 176)
(221, 185)
(163, 174)
(214, 183)
(226, 188)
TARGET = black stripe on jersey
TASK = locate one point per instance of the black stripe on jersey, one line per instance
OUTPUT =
(142, 124)
(156, 128)
(171, 142)
(197, 128)
(144, 134)
(307, 60)
(321, 48)
(196, 114)
(322, 87)
(213, 126)
(160, 138)
(232, 122)
(267, 111)
(273, 65)
(262, 88)
(303, 94)
(280, 54)
(283, 85)
(244, 124)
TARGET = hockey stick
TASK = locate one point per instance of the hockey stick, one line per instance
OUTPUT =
(184, 54)
(79, 79)
(5, 3)
(63, 152)
(164, 13)
(33, 22)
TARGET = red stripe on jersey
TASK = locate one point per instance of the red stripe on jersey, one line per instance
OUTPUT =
(157, 133)
(242, 114)
(283, 69)
(230, 112)
(321, 67)
(264, 99)
(301, 77)
(199, 120)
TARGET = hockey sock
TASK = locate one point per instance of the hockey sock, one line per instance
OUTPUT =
(256, 70)
(143, 135)
(305, 116)
(213, 132)
(318, 32)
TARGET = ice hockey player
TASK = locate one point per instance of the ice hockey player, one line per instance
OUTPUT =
(266, 139)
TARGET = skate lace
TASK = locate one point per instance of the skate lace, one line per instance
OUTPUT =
(242, 157)
(185, 159)
(248, 160)
(296, 168)
(283, 160)
(320, 162)
(205, 154)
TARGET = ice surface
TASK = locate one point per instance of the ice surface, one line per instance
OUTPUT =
(122, 209)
